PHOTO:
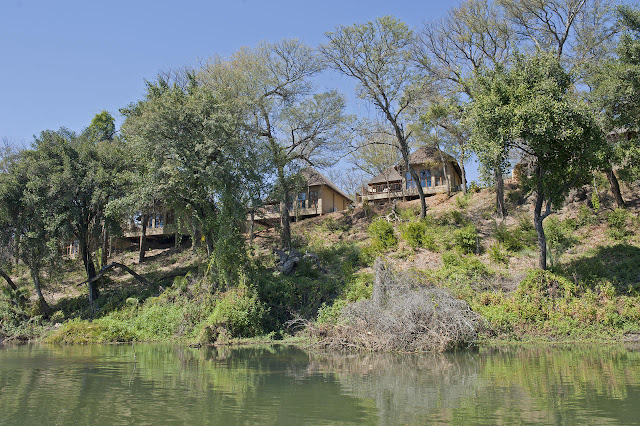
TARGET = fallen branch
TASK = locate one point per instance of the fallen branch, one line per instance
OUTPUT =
(112, 265)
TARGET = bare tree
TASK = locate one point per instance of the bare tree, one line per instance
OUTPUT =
(271, 86)
(377, 55)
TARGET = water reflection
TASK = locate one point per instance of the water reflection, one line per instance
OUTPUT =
(150, 384)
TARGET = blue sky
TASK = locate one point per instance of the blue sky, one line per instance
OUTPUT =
(61, 61)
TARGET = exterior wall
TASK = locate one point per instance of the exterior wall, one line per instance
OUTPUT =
(160, 224)
(327, 201)
(434, 184)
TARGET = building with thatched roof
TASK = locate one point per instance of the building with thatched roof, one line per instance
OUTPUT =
(397, 183)
(319, 197)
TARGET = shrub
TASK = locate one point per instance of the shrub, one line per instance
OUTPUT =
(585, 216)
(414, 234)
(240, 312)
(330, 314)
(617, 220)
(462, 201)
(595, 201)
(497, 255)
(511, 240)
(559, 238)
(460, 269)
(473, 187)
(466, 238)
(382, 234)
(409, 213)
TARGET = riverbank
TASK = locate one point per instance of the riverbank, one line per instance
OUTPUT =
(590, 293)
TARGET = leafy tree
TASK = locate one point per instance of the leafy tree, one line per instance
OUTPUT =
(452, 50)
(193, 157)
(377, 55)
(530, 107)
(270, 87)
(23, 219)
(616, 86)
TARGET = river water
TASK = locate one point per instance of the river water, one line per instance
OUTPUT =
(156, 384)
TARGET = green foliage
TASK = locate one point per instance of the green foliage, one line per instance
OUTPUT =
(382, 234)
(409, 214)
(466, 238)
(240, 312)
(497, 255)
(457, 268)
(595, 201)
(551, 305)
(530, 106)
(415, 234)
(585, 216)
(617, 221)
(559, 237)
(462, 201)
(474, 187)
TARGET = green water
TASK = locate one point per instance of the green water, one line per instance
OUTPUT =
(284, 385)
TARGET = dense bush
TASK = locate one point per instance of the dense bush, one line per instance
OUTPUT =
(617, 221)
(466, 238)
(416, 234)
(551, 305)
(497, 255)
(516, 238)
(240, 312)
(382, 234)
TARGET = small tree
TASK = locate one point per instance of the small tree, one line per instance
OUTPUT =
(530, 107)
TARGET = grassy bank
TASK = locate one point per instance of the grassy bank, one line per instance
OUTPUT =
(591, 292)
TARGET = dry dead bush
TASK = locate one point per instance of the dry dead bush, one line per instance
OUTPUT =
(402, 315)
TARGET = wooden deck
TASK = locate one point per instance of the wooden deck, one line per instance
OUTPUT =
(411, 192)
(300, 209)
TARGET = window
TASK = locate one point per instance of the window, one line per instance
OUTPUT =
(425, 178)
(159, 221)
(410, 183)
(313, 199)
(302, 196)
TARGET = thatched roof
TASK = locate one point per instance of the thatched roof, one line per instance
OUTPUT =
(389, 175)
(314, 177)
(428, 154)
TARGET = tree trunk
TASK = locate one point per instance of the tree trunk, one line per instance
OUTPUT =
(537, 220)
(500, 207)
(615, 187)
(176, 240)
(89, 268)
(42, 304)
(143, 239)
(105, 245)
(209, 242)
(444, 170)
(463, 177)
(252, 225)
(285, 220)
(7, 278)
